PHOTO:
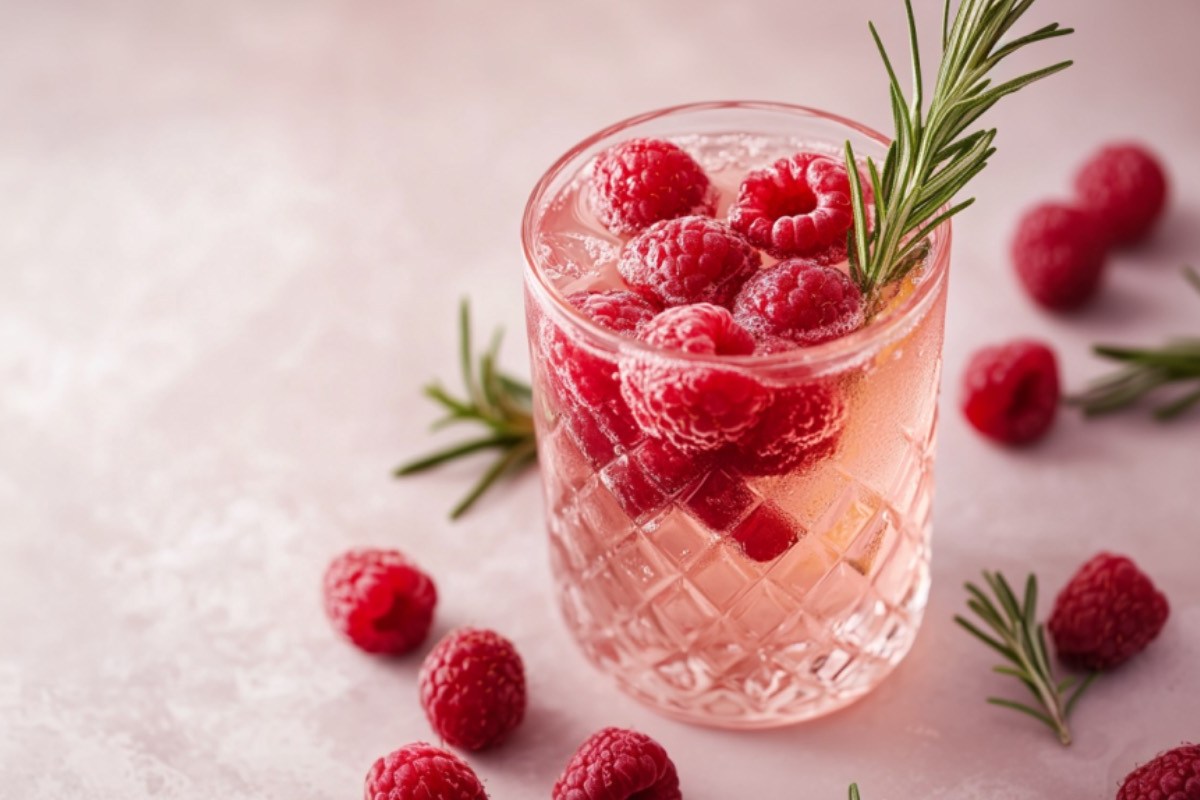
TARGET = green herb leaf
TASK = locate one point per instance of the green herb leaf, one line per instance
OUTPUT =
(930, 159)
(497, 401)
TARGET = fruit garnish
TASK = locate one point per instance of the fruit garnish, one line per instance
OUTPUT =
(379, 600)
(1011, 391)
(1126, 186)
(422, 770)
(932, 156)
(1145, 371)
(1173, 775)
(618, 764)
(1058, 252)
(688, 260)
(800, 301)
(495, 400)
(689, 405)
(798, 206)
(1017, 636)
(1107, 613)
(473, 688)
(643, 181)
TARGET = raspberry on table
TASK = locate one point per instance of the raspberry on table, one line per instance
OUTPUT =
(693, 406)
(1126, 187)
(1011, 391)
(473, 688)
(688, 260)
(798, 206)
(1173, 775)
(1058, 252)
(1107, 613)
(800, 428)
(420, 771)
(800, 301)
(642, 181)
(618, 764)
(379, 600)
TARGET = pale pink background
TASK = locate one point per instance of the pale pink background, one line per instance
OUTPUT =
(232, 238)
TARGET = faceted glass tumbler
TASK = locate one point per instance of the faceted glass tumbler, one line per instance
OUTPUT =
(650, 576)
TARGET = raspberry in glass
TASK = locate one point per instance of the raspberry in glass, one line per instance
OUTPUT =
(1125, 185)
(379, 600)
(1011, 391)
(800, 428)
(797, 206)
(420, 771)
(1059, 252)
(693, 406)
(688, 260)
(1106, 614)
(618, 764)
(799, 301)
(643, 181)
(765, 534)
(473, 688)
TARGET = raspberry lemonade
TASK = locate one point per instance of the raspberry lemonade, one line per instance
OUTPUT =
(736, 442)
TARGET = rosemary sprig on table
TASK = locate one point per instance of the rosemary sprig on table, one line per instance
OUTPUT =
(1146, 371)
(495, 400)
(854, 792)
(1022, 642)
(932, 157)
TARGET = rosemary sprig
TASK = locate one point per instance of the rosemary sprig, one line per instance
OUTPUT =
(497, 401)
(1146, 371)
(854, 792)
(932, 157)
(1022, 642)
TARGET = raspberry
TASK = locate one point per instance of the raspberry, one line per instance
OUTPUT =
(1173, 775)
(617, 764)
(766, 534)
(688, 260)
(690, 405)
(1058, 252)
(379, 600)
(473, 688)
(586, 379)
(721, 501)
(798, 206)
(646, 479)
(1107, 613)
(800, 428)
(420, 771)
(800, 301)
(643, 181)
(1010, 392)
(1126, 187)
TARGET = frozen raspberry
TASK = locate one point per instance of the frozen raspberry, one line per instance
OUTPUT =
(1107, 613)
(1010, 392)
(798, 206)
(766, 534)
(617, 764)
(693, 406)
(473, 688)
(800, 428)
(643, 181)
(1173, 775)
(1058, 252)
(1126, 187)
(420, 771)
(585, 378)
(379, 600)
(800, 301)
(688, 260)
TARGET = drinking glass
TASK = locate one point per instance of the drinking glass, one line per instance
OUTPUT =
(650, 576)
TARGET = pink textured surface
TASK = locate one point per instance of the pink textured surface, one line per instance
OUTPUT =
(232, 243)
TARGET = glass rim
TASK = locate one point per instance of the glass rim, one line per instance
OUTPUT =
(834, 350)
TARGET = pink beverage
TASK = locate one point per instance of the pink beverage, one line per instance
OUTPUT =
(711, 592)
